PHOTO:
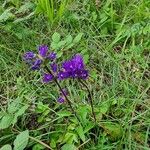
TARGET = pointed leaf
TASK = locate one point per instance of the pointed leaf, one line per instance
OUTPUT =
(77, 38)
(81, 133)
(20, 112)
(6, 121)
(21, 140)
(56, 37)
(68, 39)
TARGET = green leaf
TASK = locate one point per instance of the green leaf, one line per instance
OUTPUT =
(41, 107)
(6, 121)
(70, 138)
(68, 39)
(89, 126)
(64, 113)
(13, 106)
(77, 38)
(70, 45)
(21, 140)
(114, 130)
(81, 133)
(53, 45)
(83, 111)
(72, 126)
(56, 37)
(68, 147)
(24, 8)
(60, 44)
(53, 143)
(20, 112)
(6, 147)
(86, 58)
(59, 54)
(6, 15)
(104, 107)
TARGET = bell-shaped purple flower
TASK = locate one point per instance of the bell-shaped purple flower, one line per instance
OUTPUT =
(43, 49)
(52, 56)
(54, 67)
(60, 100)
(47, 78)
(28, 56)
(36, 64)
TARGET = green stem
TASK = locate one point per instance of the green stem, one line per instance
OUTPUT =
(90, 98)
(59, 86)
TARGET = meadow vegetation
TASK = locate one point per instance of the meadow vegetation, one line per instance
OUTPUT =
(113, 37)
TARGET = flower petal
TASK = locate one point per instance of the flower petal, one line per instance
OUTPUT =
(54, 67)
(47, 78)
(43, 49)
(63, 75)
(52, 56)
(60, 100)
(28, 56)
(36, 64)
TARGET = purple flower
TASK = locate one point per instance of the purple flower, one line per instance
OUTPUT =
(43, 49)
(83, 74)
(36, 64)
(52, 56)
(73, 68)
(78, 61)
(68, 66)
(60, 100)
(28, 56)
(54, 67)
(63, 75)
(47, 78)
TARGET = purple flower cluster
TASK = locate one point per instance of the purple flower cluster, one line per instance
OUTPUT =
(73, 68)
(35, 60)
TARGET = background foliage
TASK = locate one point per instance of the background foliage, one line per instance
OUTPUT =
(113, 37)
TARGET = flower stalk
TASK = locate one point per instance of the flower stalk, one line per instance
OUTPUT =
(62, 91)
(90, 99)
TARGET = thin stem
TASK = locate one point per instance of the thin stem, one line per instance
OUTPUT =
(90, 98)
(68, 101)
(83, 143)
(40, 142)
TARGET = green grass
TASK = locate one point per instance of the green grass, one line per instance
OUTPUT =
(116, 47)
